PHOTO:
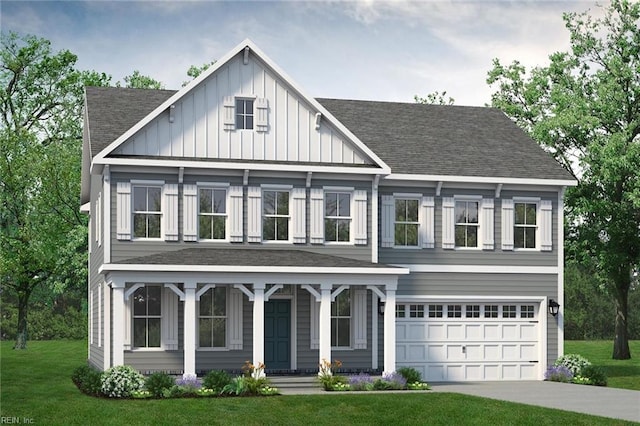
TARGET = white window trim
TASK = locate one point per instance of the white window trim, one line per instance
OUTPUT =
(147, 184)
(251, 98)
(224, 348)
(276, 188)
(214, 185)
(162, 347)
(338, 190)
(527, 200)
(351, 321)
(469, 198)
(409, 196)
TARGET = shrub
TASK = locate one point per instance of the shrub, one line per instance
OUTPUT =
(592, 375)
(87, 379)
(327, 375)
(396, 380)
(574, 362)
(237, 386)
(216, 380)
(188, 385)
(158, 383)
(361, 382)
(120, 381)
(411, 375)
(254, 378)
(558, 373)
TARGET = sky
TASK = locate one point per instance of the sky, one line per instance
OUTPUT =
(369, 50)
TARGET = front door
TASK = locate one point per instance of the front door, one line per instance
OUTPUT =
(277, 334)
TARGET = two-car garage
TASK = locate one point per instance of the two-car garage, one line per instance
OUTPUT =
(470, 340)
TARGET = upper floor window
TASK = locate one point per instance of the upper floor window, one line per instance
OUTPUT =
(147, 315)
(525, 226)
(275, 215)
(337, 217)
(244, 113)
(406, 222)
(212, 213)
(212, 321)
(466, 228)
(147, 211)
(341, 320)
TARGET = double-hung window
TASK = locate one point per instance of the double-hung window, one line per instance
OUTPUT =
(341, 320)
(147, 315)
(212, 320)
(337, 216)
(525, 225)
(275, 215)
(466, 226)
(212, 213)
(147, 211)
(406, 224)
(244, 114)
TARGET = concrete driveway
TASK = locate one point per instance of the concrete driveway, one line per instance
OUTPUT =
(599, 401)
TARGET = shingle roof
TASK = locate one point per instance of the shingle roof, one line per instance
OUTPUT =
(411, 138)
(249, 257)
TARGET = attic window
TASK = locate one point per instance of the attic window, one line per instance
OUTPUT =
(244, 114)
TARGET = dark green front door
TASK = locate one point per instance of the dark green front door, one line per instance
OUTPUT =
(277, 334)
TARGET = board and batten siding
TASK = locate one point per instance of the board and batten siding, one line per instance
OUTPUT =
(196, 128)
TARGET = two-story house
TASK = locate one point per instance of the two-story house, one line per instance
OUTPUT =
(241, 219)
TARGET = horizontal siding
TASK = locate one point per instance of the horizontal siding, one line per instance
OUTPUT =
(150, 361)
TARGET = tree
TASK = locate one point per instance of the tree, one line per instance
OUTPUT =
(41, 97)
(139, 81)
(435, 98)
(195, 71)
(584, 108)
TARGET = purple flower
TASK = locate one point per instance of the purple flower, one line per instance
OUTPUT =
(558, 373)
(360, 381)
(189, 381)
(395, 378)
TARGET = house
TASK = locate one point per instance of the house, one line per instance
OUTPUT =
(241, 219)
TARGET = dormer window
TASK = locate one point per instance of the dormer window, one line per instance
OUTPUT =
(244, 114)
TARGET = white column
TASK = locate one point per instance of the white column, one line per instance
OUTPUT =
(118, 323)
(258, 323)
(325, 322)
(106, 325)
(390, 328)
(189, 329)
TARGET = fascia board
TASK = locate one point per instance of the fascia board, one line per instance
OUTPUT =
(119, 267)
(478, 179)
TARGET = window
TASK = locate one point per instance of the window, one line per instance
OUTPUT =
(147, 211)
(213, 318)
(275, 220)
(524, 232)
(527, 311)
(472, 311)
(341, 320)
(400, 311)
(406, 222)
(244, 114)
(454, 311)
(435, 311)
(509, 311)
(337, 216)
(212, 213)
(466, 231)
(416, 311)
(491, 311)
(147, 317)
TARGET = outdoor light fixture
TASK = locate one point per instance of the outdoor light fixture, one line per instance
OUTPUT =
(380, 307)
(554, 307)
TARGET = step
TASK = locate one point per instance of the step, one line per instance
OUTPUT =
(294, 381)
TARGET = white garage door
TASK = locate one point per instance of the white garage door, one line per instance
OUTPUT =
(470, 341)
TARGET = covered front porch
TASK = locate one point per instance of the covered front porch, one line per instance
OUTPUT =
(287, 309)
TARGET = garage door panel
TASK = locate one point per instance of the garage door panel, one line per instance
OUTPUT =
(455, 331)
(455, 353)
(474, 372)
(436, 331)
(473, 331)
(492, 351)
(436, 353)
(528, 371)
(529, 351)
(491, 372)
(417, 353)
(474, 352)
(529, 331)
(417, 332)
(492, 332)
(510, 331)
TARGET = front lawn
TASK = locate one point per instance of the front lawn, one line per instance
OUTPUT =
(623, 374)
(36, 385)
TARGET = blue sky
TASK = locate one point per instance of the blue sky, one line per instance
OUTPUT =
(358, 50)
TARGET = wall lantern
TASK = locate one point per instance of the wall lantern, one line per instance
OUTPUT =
(554, 307)
(380, 307)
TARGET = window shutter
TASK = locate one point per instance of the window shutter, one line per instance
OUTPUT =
(546, 225)
(262, 107)
(428, 222)
(169, 320)
(360, 319)
(317, 216)
(190, 212)
(229, 113)
(234, 213)
(298, 215)
(170, 213)
(448, 223)
(123, 211)
(128, 312)
(360, 217)
(314, 329)
(235, 319)
(387, 214)
(507, 224)
(487, 224)
(254, 214)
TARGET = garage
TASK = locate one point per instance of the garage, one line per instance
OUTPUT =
(471, 341)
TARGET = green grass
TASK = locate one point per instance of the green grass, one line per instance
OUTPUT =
(623, 374)
(35, 384)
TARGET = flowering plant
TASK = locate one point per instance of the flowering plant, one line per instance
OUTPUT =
(418, 386)
(361, 382)
(327, 374)
(558, 373)
(574, 362)
(395, 379)
(120, 381)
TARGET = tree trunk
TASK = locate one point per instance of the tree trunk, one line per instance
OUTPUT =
(23, 305)
(621, 339)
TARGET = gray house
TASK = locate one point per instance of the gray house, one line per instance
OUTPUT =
(241, 219)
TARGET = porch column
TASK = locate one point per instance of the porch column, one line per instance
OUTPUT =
(325, 323)
(258, 323)
(390, 328)
(189, 329)
(119, 322)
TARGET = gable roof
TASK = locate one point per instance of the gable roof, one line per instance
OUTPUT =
(440, 140)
